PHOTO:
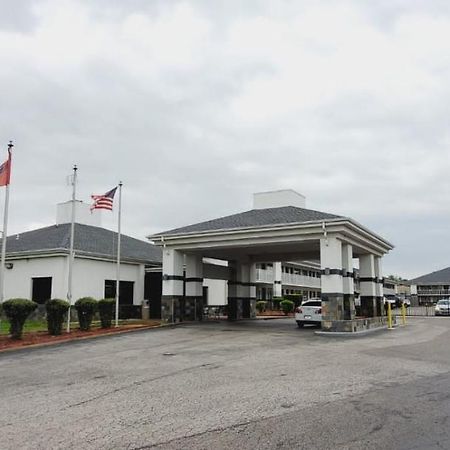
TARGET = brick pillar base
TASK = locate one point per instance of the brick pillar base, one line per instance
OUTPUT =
(332, 306)
(368, 308)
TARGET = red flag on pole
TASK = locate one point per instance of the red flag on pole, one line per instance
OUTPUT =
(5, 171)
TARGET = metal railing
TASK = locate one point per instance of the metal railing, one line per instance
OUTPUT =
(416, 311)
(264, 275)
(300, 280)
(433, 292)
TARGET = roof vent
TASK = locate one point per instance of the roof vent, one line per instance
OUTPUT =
(276, 199)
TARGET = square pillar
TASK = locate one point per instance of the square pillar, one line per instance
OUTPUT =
(367, 282)
(379, 294)
(233, 299)
(172, 285)
(193, 306)
(277, 280)
(348, 282)
(331, 281)
(252, 291)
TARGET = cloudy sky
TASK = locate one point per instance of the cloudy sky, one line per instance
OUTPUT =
(197, 104)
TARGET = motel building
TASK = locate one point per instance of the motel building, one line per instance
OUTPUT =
(277, 249)
(238, 257)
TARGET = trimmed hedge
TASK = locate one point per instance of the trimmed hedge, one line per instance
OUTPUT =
(106, 308)
(17, 310)
(56, 313)
(296, 298)
(86, 308)
(287, 306)
(261, 306)
(276, 301)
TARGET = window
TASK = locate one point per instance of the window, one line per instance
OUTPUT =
(125, 294)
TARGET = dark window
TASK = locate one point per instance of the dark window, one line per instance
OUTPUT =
(42, 289)
(125, 294)
(312, 303)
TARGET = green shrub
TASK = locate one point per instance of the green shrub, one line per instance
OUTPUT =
(106, 308)
(17, 310)
(261, 306)
(296, 298)
(56, 313)
(287, 306)
(276, 302)
(86, 308)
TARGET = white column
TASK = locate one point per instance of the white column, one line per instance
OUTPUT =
(252, 292)
(194, 276)
(277, 281)
(367, 285)
(331, 265)
(378, 276)
(173, 283)
(253, 281)
(348, 281)
(379, 285)
(193, 305)
(331, 281)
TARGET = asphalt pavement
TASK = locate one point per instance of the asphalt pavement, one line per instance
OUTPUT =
(250, 385)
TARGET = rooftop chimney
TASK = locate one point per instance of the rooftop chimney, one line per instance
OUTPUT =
(276, 199)
(82, 214)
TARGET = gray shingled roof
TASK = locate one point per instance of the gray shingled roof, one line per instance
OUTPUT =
(88, 240)
(440, 276)
(256, 218)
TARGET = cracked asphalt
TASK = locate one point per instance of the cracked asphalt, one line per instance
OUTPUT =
(247, 385)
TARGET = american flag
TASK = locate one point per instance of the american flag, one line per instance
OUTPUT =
(104, 201)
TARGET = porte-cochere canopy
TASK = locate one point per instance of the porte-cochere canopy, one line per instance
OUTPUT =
(284, 233)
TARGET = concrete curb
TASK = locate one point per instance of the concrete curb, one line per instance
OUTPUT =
(354, 333)
(81, 339)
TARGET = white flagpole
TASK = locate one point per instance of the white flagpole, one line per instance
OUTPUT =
(5, 233)
(118, 256)
(71, 253)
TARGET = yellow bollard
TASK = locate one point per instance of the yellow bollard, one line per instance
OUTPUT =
(403, 314)
(389, 316)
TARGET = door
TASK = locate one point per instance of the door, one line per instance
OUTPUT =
(41, 289)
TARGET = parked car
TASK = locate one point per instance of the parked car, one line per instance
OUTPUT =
(391, 300)
(309, 312)
(442, 307)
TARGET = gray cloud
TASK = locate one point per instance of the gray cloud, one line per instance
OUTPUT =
(196, 105)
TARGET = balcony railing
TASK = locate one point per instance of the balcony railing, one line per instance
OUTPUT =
(264, 275)
(300, 280)
(433, 292)
(267, 276)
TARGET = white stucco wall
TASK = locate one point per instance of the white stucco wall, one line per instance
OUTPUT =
(217, 291)
(18, 280)
(88, 277)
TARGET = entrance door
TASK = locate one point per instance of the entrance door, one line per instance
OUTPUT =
(41, 289)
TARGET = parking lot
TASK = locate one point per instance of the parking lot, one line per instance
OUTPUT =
(253, 384)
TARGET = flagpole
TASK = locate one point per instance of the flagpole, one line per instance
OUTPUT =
(5, 230)
(118, 255)
(71, 253)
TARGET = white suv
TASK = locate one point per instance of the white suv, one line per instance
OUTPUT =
(310, 311)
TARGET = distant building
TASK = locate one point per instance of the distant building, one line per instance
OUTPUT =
(431, 287)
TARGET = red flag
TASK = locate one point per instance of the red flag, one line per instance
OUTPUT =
(5, 171)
